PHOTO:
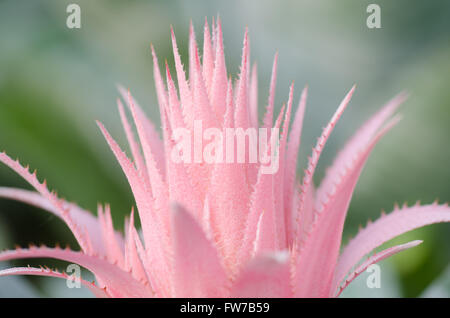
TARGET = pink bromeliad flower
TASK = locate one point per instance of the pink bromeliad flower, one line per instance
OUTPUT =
(226, 228)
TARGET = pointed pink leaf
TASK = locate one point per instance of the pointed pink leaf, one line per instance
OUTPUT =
(279, 177)
(268, 117)
(134, 146)
(175, 117)
(114, 250)
(158, 186)
(118, 282)
(161, 286)
(384, 229)
(318, 255)
(132, 260)
(58, 205)
(261, 219)
(202, 108)
(291, 166)
(208, 57)
(375, 259)
(159, 83)
(154, 228)
(192, 51)
(183, 85)
(148, 129)
(219, 79)
(253, 97)
(356, 144)
(162, 99)
(312, 163)
(241, 115)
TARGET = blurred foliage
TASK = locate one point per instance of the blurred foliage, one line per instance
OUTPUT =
(54, 83)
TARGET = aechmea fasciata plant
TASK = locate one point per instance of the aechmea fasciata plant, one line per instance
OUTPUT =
(224, 228)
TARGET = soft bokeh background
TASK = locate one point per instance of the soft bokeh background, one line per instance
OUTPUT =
(54, 82)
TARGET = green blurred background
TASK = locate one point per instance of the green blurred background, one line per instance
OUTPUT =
(55, 81)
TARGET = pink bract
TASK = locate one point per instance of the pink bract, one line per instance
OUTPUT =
(225, 229)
